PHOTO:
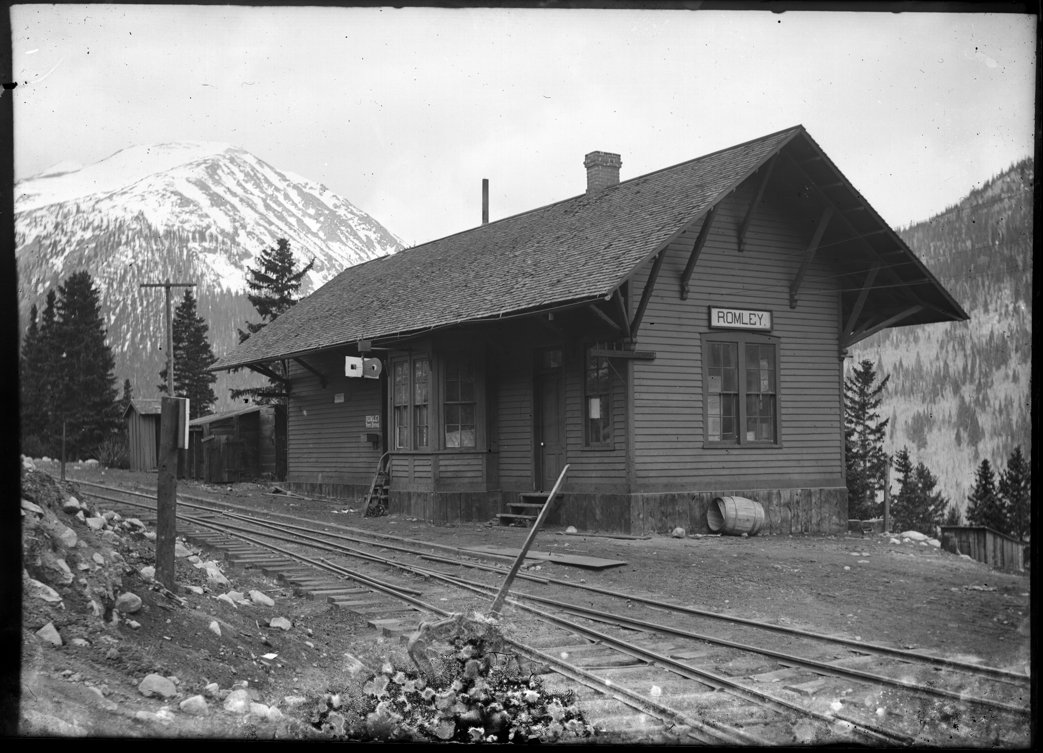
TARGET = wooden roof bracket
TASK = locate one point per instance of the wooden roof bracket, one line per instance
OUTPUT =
(855, 337)
(697, 248)
(265, 371)
(860, 303)
(745, 224)
(605, 317)
(823, 222)
(618, 295)
(313, 370)
(646, 294)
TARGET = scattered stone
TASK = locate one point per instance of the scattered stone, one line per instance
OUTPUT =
(148, 572)
(894, 541)
(215, 628)
(134, 523)
(226, 598)
(259, 709)
(238, 597)
(914, 535)
(98, 558)
(214, 574)
(180, 550)
(935, 543)
(197, 590)
(133, 624)
(91, 463)
(571, 530)
(50, 634)
(80, 516)
(274, 715)
(128, 603)
(280, 622)
(67, 537)
(42, 591)
(211, 690)
(82, 642)
(28, 464)
(293, 701)
(95, 523)
(678, 533)
(157, 685)
(258, 597)
(30, 507)
(238, 702)
(195, 706)
(150, 535)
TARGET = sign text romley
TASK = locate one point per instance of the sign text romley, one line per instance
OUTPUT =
(724, 318)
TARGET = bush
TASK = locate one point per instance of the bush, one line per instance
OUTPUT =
(113, 453)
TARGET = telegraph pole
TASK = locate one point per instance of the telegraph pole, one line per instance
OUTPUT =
(170, 331)
(174, 416)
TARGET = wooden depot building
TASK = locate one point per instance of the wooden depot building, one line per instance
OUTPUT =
(673, 338)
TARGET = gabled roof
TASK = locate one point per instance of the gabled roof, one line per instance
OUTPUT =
(145, 406)
(579, 249)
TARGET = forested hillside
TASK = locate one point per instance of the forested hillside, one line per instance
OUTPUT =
(960, 392)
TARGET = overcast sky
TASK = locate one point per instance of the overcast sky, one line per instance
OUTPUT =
(404, 112)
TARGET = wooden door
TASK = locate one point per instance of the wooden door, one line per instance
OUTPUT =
(548, 432)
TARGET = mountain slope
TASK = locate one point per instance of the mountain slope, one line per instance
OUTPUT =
(960, 392)
(186, 212)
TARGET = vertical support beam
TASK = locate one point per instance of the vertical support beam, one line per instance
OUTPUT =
(745, 225)
(166, 493)
(816, 239)
(618, 295)
(647, 293)
(697, 248)
(860, 303)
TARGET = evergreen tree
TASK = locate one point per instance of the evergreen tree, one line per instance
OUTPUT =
(86, 395)
(864, 433)
(952, 516)
(274, 284)
(31, 396)
(984, 506)
(192, 357)
(1015, 490)
(128, 396)
(917, 506)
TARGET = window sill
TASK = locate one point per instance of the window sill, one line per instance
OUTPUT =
(598, 448)
(743, 446)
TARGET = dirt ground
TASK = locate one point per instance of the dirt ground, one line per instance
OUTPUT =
(877, 588)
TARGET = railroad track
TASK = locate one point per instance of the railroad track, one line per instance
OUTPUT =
(682, 673)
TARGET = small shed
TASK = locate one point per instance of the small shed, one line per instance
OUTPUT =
(995, 549)
(238, 445)
(142, 417)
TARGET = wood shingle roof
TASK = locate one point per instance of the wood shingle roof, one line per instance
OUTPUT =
(579, 249)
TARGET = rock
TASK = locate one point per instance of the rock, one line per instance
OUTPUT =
(128, 603)
(59, 567)
(195, 706)
(133, 624)
(280, 622)
(227, 599)
(50, 634)
(98, 558)
(150, 535)
(197, 590)
(238, 702)
(211, 690)
(293, 701)
(259, 598)
(28, 464)
(157, 685)
(67, 537)
(259, 709)
(571, 530)
(214, 574)
(30, 507)
(134, 523)
(91, 463)
(80, 516)
(894, 541)
(180, 550)
(215, 628)
(82, 642)
(274, 715)
(42, 591)
(914, 535)
(95, 523)
(678, 533)
(238, 597)
(148, 572)
(935, 543)
(71, 505)
(109, 515)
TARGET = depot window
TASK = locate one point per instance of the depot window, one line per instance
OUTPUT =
(741, 394)
(597, 402)
(435, 402)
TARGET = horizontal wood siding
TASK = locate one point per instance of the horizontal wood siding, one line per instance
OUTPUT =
(668, 431)
(514, 416)
(325, 438)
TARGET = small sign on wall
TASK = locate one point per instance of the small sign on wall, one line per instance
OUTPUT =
(729, 318)
(338, 397)
(373, 422)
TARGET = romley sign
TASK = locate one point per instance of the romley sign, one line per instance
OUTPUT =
(729, 318)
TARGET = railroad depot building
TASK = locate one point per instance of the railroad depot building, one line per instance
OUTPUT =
(673, 338)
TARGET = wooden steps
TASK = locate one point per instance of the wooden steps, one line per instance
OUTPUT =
(525, 511)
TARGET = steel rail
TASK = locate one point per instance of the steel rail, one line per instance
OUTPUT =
(718, 733)
(860, 645)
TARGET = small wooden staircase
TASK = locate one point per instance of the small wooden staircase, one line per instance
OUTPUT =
(525, 511)
(377, 498)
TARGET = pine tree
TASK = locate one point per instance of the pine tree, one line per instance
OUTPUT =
(952, 516)
(917, 506)
(864, 433)
(85, 395)
(1014, 489)
(274, 284)
(192, 357)
(32, 395)
(128, 396)
(984, 506)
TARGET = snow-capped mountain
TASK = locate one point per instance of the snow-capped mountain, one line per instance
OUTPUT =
(183, 212)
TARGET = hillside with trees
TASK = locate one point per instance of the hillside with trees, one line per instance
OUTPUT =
(959, 393)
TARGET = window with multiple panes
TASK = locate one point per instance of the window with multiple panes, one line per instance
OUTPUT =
(410, 402)
(459, 406)
(421, 399)
(597, 401)
(741, 389)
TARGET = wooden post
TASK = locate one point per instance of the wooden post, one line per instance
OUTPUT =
(166, 493)
(63, 447)
(498, 601)
(887, 496)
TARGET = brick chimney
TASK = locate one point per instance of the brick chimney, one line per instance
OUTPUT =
(602, 170)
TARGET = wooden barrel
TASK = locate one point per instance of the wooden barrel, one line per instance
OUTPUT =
(735, 516)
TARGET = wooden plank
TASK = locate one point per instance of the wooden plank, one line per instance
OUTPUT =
(576, 560)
